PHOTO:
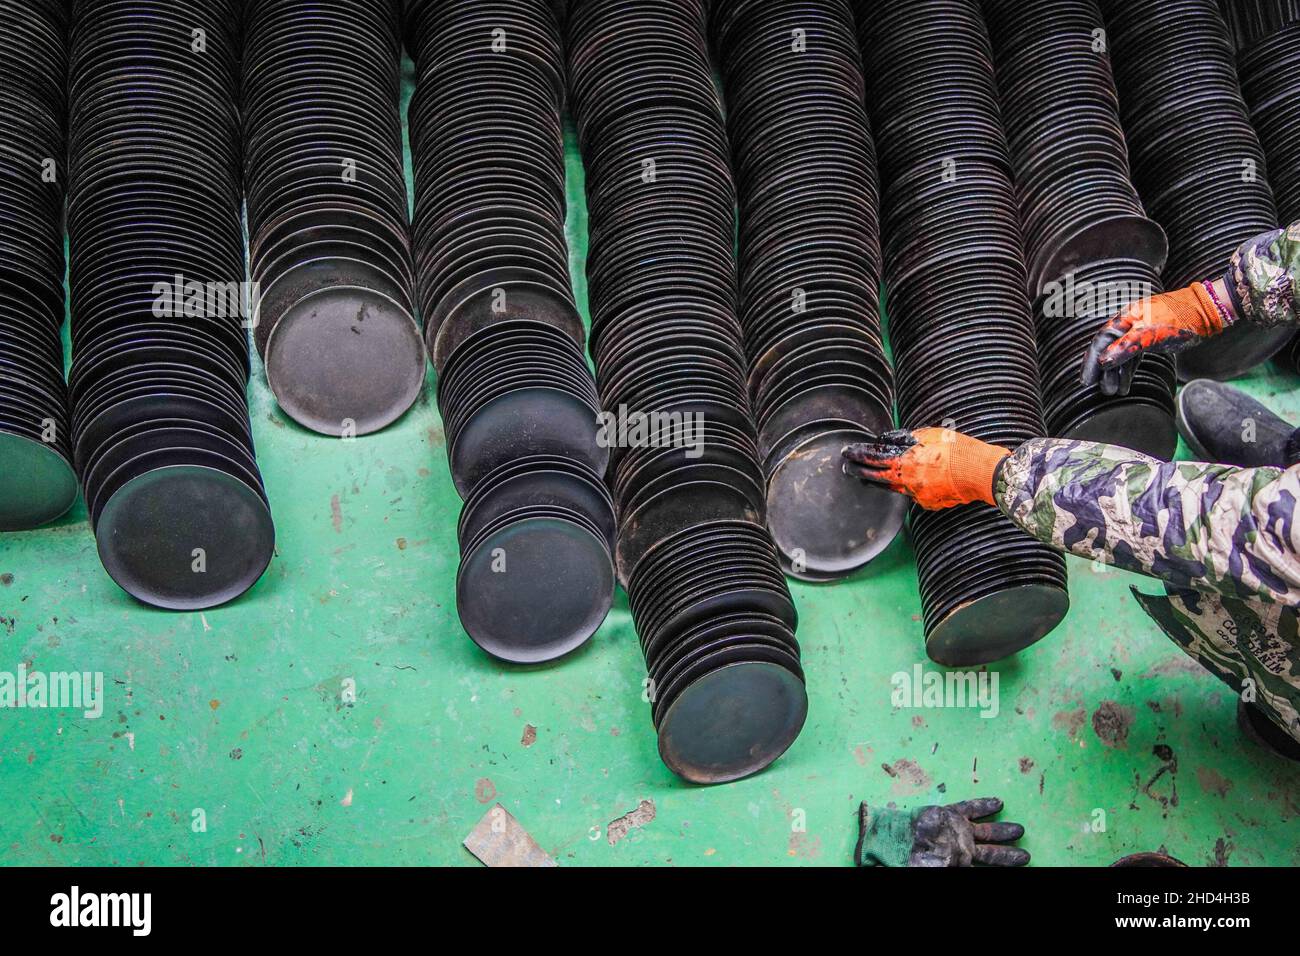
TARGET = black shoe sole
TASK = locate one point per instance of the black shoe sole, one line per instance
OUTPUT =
(1266, 734)
(1185, 430)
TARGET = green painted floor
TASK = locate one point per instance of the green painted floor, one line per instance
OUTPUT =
(241, 719)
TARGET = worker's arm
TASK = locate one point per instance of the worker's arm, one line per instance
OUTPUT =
(1225, 539)
(1215, 528)
(1264, 280)
(1261, 287)
(1224, 530)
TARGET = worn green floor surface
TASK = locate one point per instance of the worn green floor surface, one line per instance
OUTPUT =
(1108, 740)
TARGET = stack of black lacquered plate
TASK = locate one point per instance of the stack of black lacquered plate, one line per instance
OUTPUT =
(1268, 62)
(709, 602)
(517, 397)
(960, 324)
(327, 212)
(160, 349)
(488, 148)
(37, 482)
(1253, 20)
(1088, 243)
(1270, 80)
(810, 273)
(1196, 160)
(1068, 315)
(536, 577)
(1077, 201)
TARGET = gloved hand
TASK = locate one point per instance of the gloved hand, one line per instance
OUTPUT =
(938, 836)
(1160, 323)
(937, 467)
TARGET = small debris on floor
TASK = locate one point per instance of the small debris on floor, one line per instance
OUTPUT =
(643, 814)
(500, 840)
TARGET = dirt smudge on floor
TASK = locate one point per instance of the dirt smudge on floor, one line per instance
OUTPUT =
(909, 778)
(1111, 723)
(1222, 850)
(1212, 781)
(530, 735)
(1181, 664)
(804, 846)
(1168, 768)
(1069, 721)
(485, 791)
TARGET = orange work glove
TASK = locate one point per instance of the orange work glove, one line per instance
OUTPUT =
(1160, 323)
(937, 467)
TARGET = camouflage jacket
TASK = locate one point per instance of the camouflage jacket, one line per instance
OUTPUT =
(1225, 541)
(1264, 278)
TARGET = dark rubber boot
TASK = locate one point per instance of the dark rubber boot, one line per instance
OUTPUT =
(1293, 449)
(1254, 723)
(1227, 427)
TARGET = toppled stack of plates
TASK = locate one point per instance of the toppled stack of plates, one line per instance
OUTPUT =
(536, 579)
(327, 212)
(518, 400)
(159, 345)
(1270, 81)
(1089, 245)
(960, 323)
(1268, 62)
(1197, 161)
(1061, 111)
(37, 482)
(1253, 20)
(805, 170)
(709, 602)
(1069, 316)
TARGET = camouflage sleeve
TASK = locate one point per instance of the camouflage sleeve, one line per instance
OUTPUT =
(1264, 278)
(1214, 528)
